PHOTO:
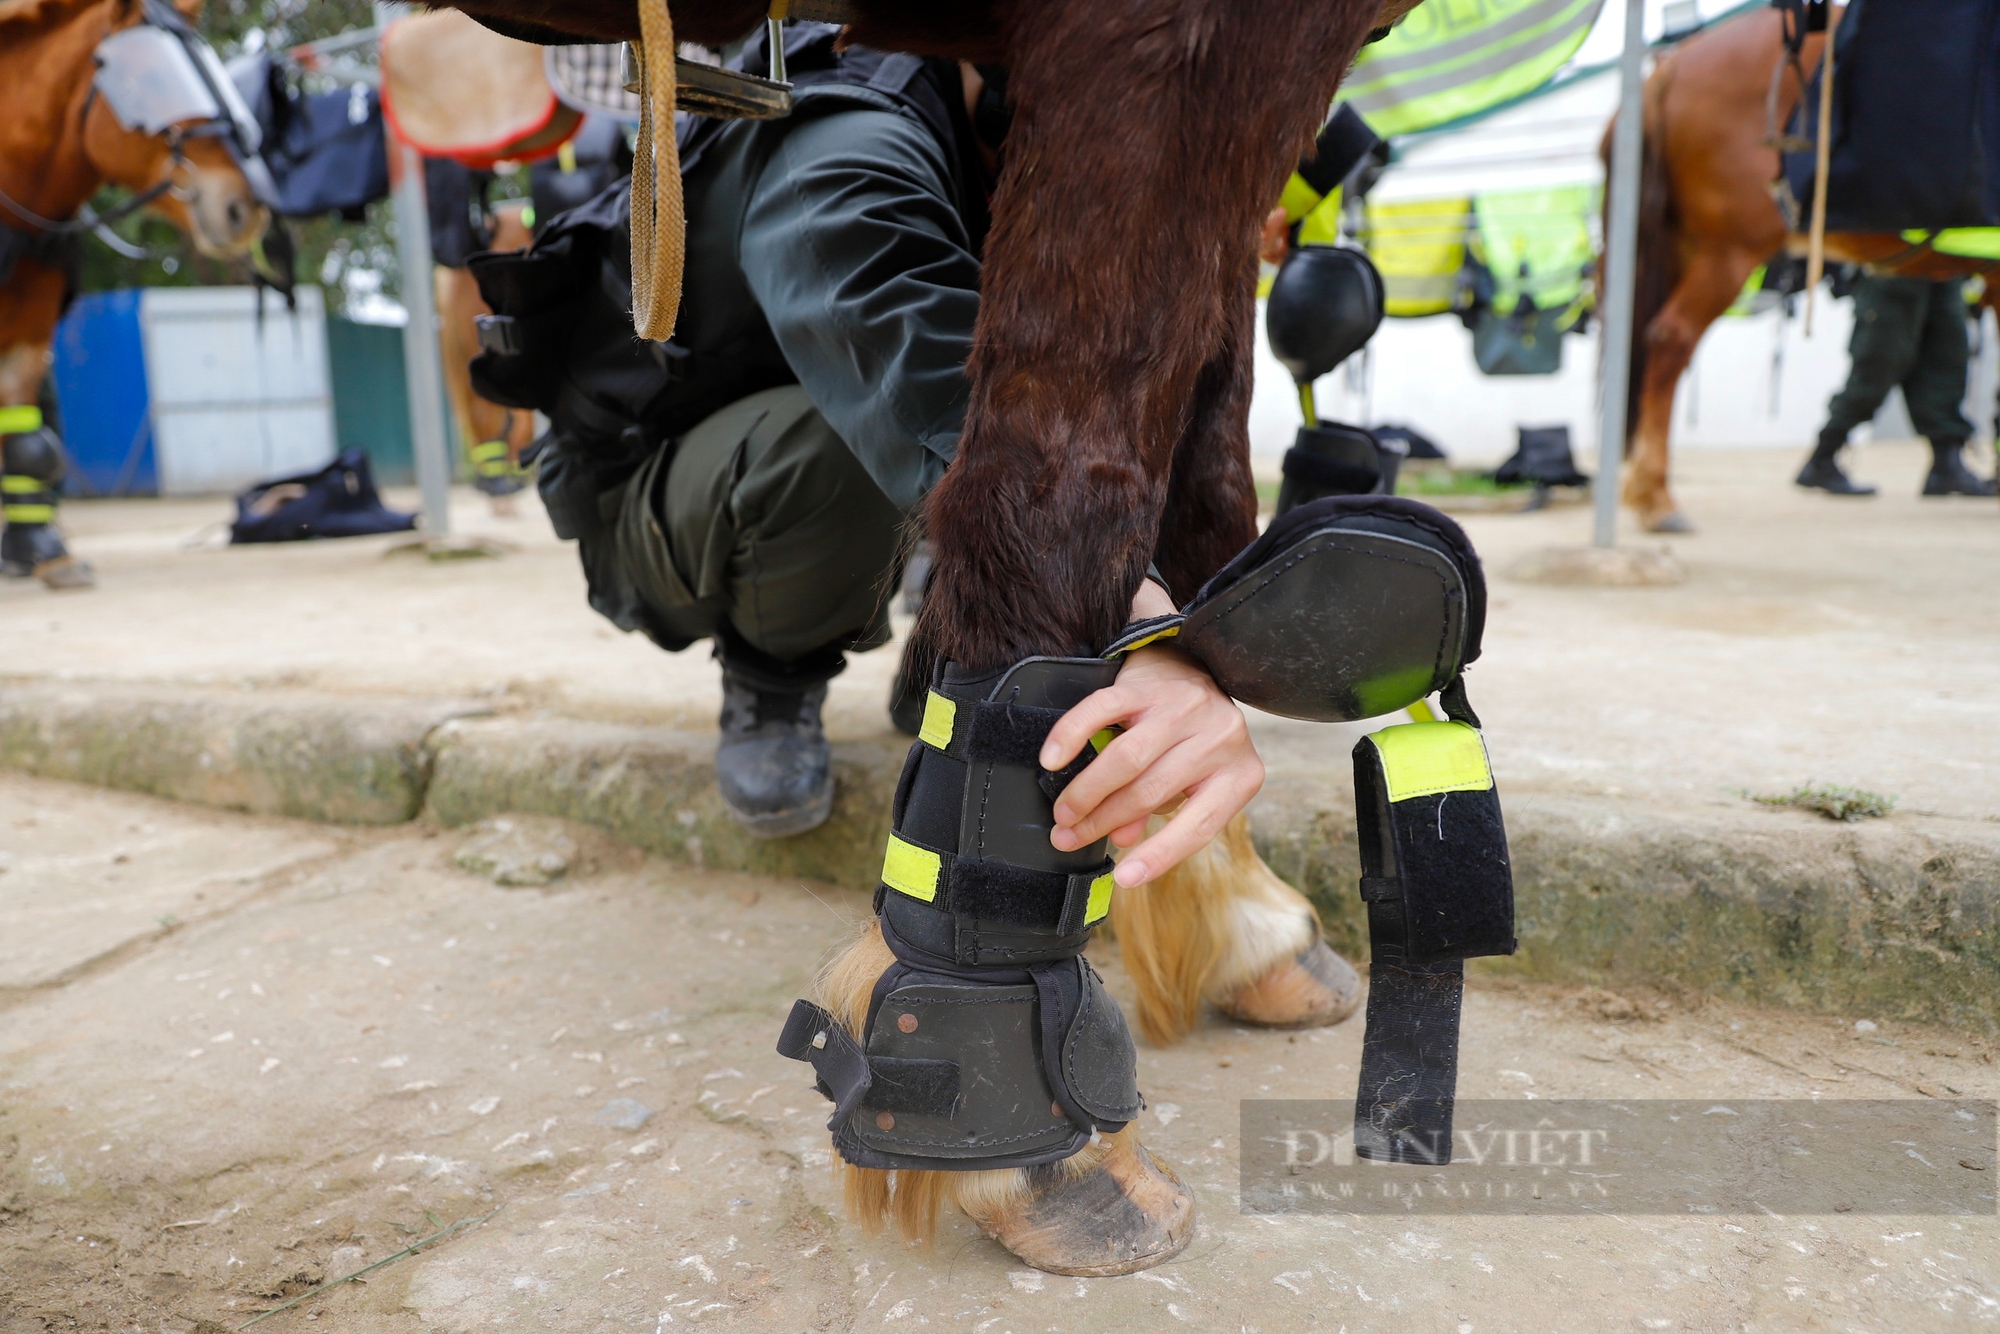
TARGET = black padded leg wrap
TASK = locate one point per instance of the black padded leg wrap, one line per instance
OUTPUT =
(989, 1042)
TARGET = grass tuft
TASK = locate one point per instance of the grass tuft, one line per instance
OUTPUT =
(1846, 804)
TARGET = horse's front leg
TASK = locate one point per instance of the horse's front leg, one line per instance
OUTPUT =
(979, 1056)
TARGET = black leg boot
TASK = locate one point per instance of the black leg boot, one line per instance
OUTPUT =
(1949, 476)
(1822, 471)
(32, 464)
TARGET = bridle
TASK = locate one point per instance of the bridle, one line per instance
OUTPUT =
(158, 76)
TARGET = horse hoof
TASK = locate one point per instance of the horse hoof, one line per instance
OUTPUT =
(1312, 990)
(66, 572)
(1673, 521)
(1122, 1214)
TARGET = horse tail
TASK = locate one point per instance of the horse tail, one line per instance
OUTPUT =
(1658, 268)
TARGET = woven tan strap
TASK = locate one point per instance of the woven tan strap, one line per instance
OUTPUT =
(659, 225)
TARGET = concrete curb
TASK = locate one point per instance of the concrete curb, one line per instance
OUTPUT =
(1897, 918)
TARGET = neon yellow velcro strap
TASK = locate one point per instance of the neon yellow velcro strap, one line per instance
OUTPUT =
(490, 449)
(940, 716)
(1100, 900)
(14, 484)
(1424, 759)
(909, 869)
(1298, 198)
(1164, 632)
(21, 419)
(29, 513)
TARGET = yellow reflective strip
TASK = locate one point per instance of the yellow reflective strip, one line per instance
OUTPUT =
(1420, 712)
(487, 449)
(940, 715)
(29, 513)
(1167, 633)
(21, 418)
(1100, 899)
(566, 156)
(1298, 199)
(14, 484)
(1104, 738)
(909, 869)
(1423, 759)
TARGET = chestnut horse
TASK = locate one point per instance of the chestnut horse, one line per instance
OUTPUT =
(1107, 424)
(1708, 219)
(59, 143)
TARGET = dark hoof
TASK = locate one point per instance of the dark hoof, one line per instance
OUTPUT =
(66, 572)
(1126, 1213)
(1673, 521)
(1311, 991)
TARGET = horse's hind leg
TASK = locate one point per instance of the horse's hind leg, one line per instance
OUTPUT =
(1709, 282)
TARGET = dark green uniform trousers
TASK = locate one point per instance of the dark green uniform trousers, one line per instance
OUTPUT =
(1908, 332)
(760, 529)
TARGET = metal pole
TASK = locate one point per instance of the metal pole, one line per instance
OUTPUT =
(1621, 253)
(423, 366)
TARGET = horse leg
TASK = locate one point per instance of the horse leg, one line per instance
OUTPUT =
(1125, 225)
(1710, 280)
(1221, 926)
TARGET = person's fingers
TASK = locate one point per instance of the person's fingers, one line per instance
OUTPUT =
(1190, 830)
(1131, 755)
(1126, 835)
(1180, 769)
(1098, 711)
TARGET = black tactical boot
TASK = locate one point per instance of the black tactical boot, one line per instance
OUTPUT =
(774, 766)
(1949, 476)
(1822, 471)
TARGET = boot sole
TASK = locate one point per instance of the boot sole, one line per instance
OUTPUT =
(785, 824)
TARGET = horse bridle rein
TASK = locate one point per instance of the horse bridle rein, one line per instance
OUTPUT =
(217, 111)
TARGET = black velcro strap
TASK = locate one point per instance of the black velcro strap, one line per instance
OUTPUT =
(1409, 1063)
(919, 1085)
(813, 1035)
(1006, 733)
(1319, 471)
(1380, 889)
(997, 891)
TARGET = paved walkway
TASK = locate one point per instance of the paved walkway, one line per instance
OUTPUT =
(1849, 642)
(242, 1056)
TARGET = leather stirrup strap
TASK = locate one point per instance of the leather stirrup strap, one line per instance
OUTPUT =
(659, 223)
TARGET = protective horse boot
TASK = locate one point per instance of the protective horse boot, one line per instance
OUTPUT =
(1823, 473)
(1949, 476)
(966, 1044)
(32, 464)
(773, 765)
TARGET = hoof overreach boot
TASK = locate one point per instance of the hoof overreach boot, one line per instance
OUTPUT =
(990, 1042)
(773, 766)
(1439, 890)
(1353, 607)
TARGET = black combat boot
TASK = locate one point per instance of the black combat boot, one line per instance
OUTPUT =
(774, 766)
(1822, 471)
(1949, 476)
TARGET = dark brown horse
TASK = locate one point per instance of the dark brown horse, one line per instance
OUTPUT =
(1708, 219)
(59, 143)
(1108, 418)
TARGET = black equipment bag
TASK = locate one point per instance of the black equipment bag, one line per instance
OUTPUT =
(339, 500)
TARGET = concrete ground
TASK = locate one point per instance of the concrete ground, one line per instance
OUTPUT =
(240, 1056)
(1816, 639)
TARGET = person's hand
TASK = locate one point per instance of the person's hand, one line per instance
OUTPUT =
(1275, 241)
(1182, 737)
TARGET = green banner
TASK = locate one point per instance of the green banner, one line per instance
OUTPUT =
(1455, 58)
